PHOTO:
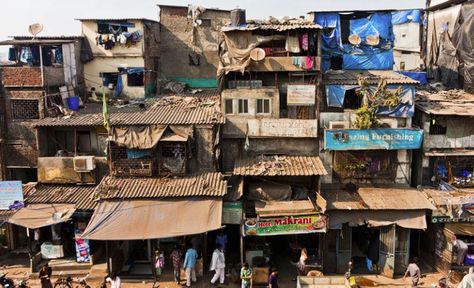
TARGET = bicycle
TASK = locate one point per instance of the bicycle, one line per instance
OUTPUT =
(68, 282)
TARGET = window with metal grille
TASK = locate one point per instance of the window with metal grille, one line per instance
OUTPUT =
(243, 106)
(25, 109)
(263, 106)
(229, 106)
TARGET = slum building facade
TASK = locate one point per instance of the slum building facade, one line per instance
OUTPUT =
(126, 56)
(366, 147)
(269, 75)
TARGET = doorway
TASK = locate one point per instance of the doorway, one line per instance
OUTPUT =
(365, 249)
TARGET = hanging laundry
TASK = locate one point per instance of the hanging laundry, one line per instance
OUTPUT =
(136, 37)
(292, 44)
(105, 38)
(304, 42)
(112, 38)
(26, 56)
(309, 62)
(296, 61)
(35, 52)
(58, 55)
(312, 42)
(268, 51)
(302, 62)
(100, 40)
(12, 54)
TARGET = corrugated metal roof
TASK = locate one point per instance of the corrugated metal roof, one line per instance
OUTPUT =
(376, 198)
(35, 41)
(280, 166)
(5, 214)
(210, 184)
(115, 19)
(80, 196)
(449, 102)
(177, 110)
(26, 37)
(348, 77)
(276, 27)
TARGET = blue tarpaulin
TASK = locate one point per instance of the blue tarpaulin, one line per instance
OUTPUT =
(376, 24)
(331, 38)
(377, 61)
(419, 76)
(118, 86)
(401, 17)
(335, 94)
(373, 139)
(135, 70)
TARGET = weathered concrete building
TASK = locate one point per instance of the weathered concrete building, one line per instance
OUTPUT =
(189, 43)
(33, 80)
(126, 55)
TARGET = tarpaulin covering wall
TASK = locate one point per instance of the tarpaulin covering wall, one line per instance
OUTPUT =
(377, 59)
(463, 40)
(373, 139)
(42, 215)
(379, 24)
(411, 219)
(418, 76)
(153, 219)
(146, 137)
(331, 36)
(405, 16)
(335, 95)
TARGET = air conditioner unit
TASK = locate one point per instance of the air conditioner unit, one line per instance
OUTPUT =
(84, 163)
(339, 125)
(389, 123)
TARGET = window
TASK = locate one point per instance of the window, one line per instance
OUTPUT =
(243, 106)
(263, 106)
(107, 28)
(109, 78)
(84, 142)
(135, 79)
(206, 22)
(229, 106)
(25, 109)
(64, 141)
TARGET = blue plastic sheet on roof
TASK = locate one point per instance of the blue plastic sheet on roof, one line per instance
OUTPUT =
(335, 94)
(327, 20)
(418, 76)
(331, 38)
(378, 61)
(401, 17)
(376, 24)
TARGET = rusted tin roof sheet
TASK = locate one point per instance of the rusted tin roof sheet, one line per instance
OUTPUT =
(275, 24)
(79, 195)
(173, 110)
(210, 184)
(116, 19)
(376, 198)
(348, 77)
(450, 102)
(280, 166)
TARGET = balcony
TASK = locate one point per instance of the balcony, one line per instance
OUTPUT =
(132, 167)
(270, 64)
(62, 170)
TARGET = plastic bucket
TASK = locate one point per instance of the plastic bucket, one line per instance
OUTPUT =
(73, 103)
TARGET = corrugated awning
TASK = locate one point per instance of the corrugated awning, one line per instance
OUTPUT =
(461, 229)
(411, 219)
(451, 152)
(153, 219)
(284, 208)
(41, 215)
(283, 165)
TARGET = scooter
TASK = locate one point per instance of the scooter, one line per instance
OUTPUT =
(9, 283)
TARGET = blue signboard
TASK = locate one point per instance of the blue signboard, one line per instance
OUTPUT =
(373, 139)
(11, 195)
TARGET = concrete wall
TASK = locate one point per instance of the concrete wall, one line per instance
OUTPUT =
(407, 36)
(61, 170)
(203, 158)
(93, 69)
(53, 76)
(236, 124)
(176, 42)
(442, 141)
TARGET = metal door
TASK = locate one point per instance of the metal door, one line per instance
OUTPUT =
(402, 249)
(344, 249)
(387, 250)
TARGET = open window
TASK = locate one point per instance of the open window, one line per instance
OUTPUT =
(173, 154)
(135, 79)
(109, 78)
(113, 27)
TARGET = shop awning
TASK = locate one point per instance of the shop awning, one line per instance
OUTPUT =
(411, 219)
(41, 215)
(451, 152)
(461, 229)
(284, 208)
(153, 219)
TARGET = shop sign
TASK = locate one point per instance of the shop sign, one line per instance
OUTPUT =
(285, 225)
(11, 195)
(447, 219)
(301, 95)
(83, 253)
(232, 213)
(282, 128)
(373, 139)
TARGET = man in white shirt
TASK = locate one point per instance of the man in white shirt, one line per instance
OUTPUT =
(114, 281)
(218, 265)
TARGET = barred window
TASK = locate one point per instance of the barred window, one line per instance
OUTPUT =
(25, 109)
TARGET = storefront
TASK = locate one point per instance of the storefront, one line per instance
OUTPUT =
(378, 229)
(455, 167)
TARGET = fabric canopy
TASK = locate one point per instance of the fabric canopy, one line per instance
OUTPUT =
(41, 215)
(411, 219)
(146, 137)
(153, 219)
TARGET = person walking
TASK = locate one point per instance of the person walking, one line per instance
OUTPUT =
(415, 272)
(189, 265)
(246, 276)
(45, 276)
(175, 257)
(114, 281)
(218, 265)
(468, 280)
(273, 279)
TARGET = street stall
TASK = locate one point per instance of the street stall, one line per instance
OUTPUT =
(376, 228)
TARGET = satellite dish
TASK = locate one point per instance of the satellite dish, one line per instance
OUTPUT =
(35, 29)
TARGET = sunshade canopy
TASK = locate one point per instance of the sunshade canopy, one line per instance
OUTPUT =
(153, 219)
(41, 215)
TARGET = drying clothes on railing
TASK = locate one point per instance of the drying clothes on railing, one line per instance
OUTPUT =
(108, 41)
(304, 42)
(304, 62)
(292, 44)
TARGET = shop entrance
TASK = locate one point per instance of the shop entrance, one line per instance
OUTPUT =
(283, 253)
(365, 249)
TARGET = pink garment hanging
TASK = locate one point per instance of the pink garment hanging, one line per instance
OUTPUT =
(309, 62)
(304, 42)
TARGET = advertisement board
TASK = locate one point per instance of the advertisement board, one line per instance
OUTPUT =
(373, 139)
(301, 95)
(11, 195)
(302, 224)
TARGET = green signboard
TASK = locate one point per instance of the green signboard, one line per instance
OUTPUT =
(232, 213)
(285, 225)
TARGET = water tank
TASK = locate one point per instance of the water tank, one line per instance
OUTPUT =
(237, 17)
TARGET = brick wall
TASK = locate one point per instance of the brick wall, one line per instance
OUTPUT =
(21, 77)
